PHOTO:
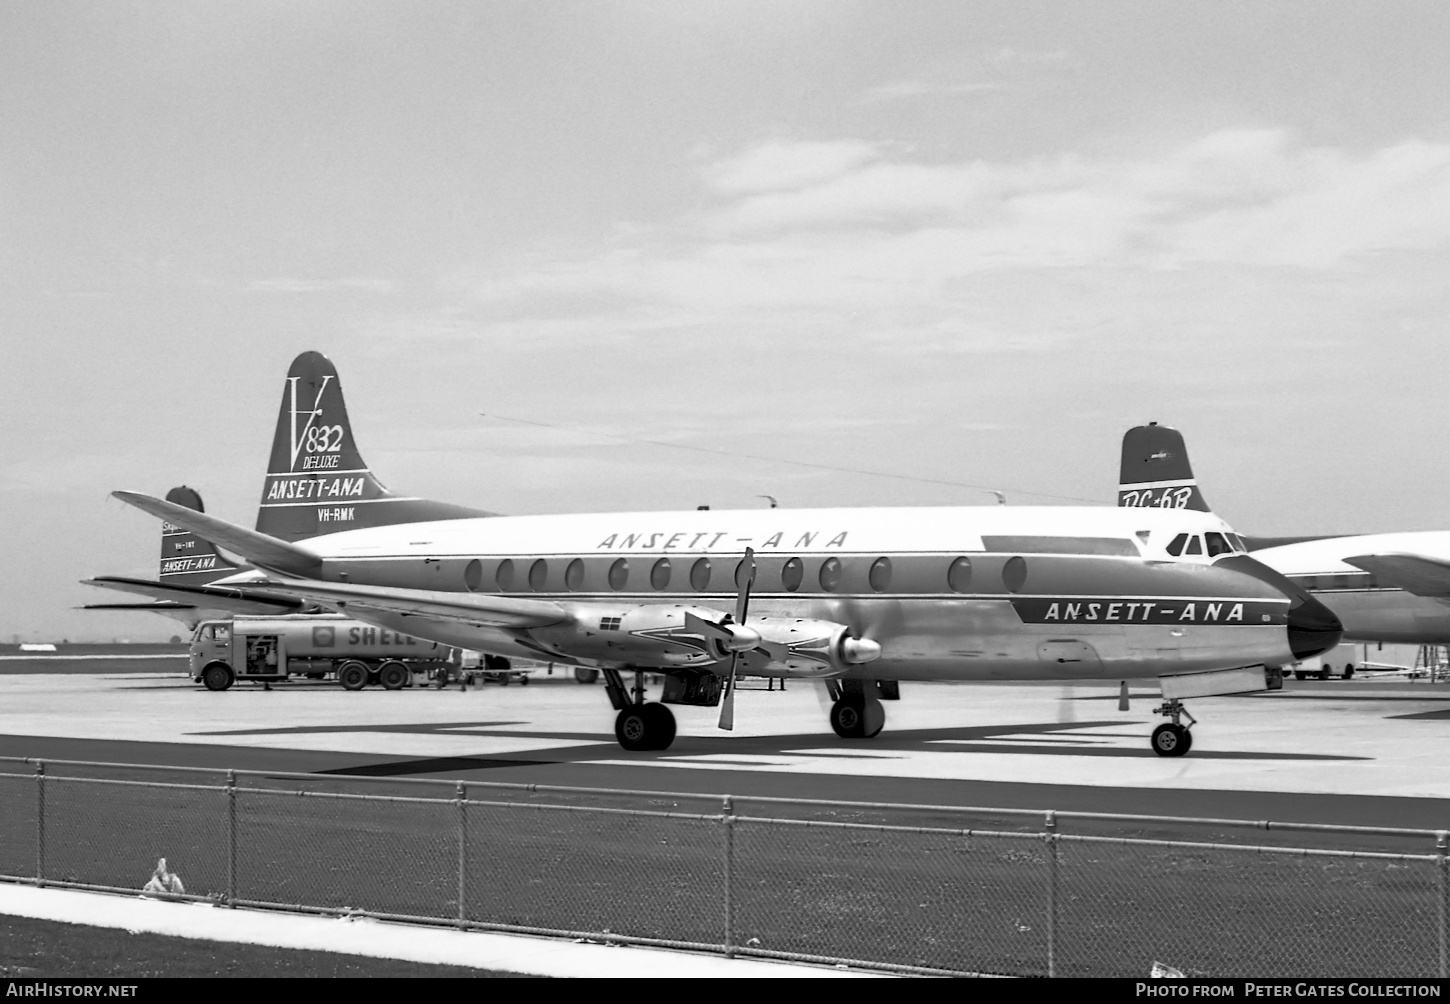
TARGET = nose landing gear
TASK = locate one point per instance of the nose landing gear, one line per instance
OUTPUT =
(1173, 738)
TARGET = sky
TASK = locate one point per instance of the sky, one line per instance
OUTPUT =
(869, 253)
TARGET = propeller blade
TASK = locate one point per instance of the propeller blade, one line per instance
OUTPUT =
(727, 702)
(744, 578)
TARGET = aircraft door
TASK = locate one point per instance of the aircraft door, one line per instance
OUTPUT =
(1071, 655)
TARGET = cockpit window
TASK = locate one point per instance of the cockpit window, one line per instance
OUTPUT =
(1195, 545)
(1175, 546)
(1237, 542)
(1217, 544)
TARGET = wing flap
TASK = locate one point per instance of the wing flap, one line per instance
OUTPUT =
(472, 609)
(1413, 573)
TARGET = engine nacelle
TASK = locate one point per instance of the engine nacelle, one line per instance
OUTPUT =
(798, 646)
(680, 635)
(653, 634)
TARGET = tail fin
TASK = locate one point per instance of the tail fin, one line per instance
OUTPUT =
(317, 482)
(1155, 470)
(186, 559)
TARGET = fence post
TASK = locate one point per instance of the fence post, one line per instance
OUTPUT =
(727, 822)
(1442, 847)
(1049, 836)
(231, 839)
(40, 823)
(462, 803)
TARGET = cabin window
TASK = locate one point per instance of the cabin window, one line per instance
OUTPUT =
(745, 572)
(880, 575)
(1014, 574)
(1217, 544)
(619, 574)
(1195, 545)
(1175, 546)
(505, 575)
(831, 574)
(538, 575)
(959, 575)
(659, 575)
(700, 575)
(574, 574)
(473, 575)
(792, 574)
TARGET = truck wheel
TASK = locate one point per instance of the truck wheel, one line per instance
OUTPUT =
(1349, 671)
(217, 676)
(1324, 673)
(353, 676)
(393, 675)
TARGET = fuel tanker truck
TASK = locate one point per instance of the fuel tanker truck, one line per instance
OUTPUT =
(268, 649)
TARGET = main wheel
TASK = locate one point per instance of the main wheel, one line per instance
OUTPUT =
(353, 676)
(393, 675)
(857, 717)
(585, 674)
(217, 676)
(1171, 740)
(645, 727)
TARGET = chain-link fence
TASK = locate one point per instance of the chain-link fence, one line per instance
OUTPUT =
(894, 887)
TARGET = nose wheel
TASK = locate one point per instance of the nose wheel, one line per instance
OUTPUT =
(1172, 738)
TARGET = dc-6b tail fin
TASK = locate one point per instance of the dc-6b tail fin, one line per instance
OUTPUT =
(317, 481)
(1155, 470)
(186, 559)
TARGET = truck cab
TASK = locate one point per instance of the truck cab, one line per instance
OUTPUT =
(223, 652)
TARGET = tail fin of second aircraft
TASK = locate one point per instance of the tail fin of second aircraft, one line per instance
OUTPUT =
(1155, 470)
(186, 559)
(317, 481)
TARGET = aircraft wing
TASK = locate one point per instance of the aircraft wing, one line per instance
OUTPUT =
(1411, 572)
(464, 608)
(269, 552)
(233, 598)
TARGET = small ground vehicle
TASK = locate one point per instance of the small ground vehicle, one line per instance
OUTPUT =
(1342, 660)
(271, 649)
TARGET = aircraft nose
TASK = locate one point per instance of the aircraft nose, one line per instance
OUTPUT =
(1313, 627)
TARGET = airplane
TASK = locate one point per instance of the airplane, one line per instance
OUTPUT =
(1382, 587)
(860, 598)
(189, 562)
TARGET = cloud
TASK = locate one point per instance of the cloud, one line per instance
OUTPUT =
(911, 88)
(777, 165)
(292, 285)
(827, 241)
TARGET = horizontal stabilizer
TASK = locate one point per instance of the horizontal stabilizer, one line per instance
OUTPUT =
(1411, 572)
(159, 606)
(464, 608)
(266, 552)
(238, 600)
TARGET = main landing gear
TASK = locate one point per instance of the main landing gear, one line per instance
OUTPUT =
(855, 713)
(638, 726)
(1172, 738)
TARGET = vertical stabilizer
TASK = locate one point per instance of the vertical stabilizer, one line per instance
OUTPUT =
(186, 559)
(317, 482)
(1155, 470)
